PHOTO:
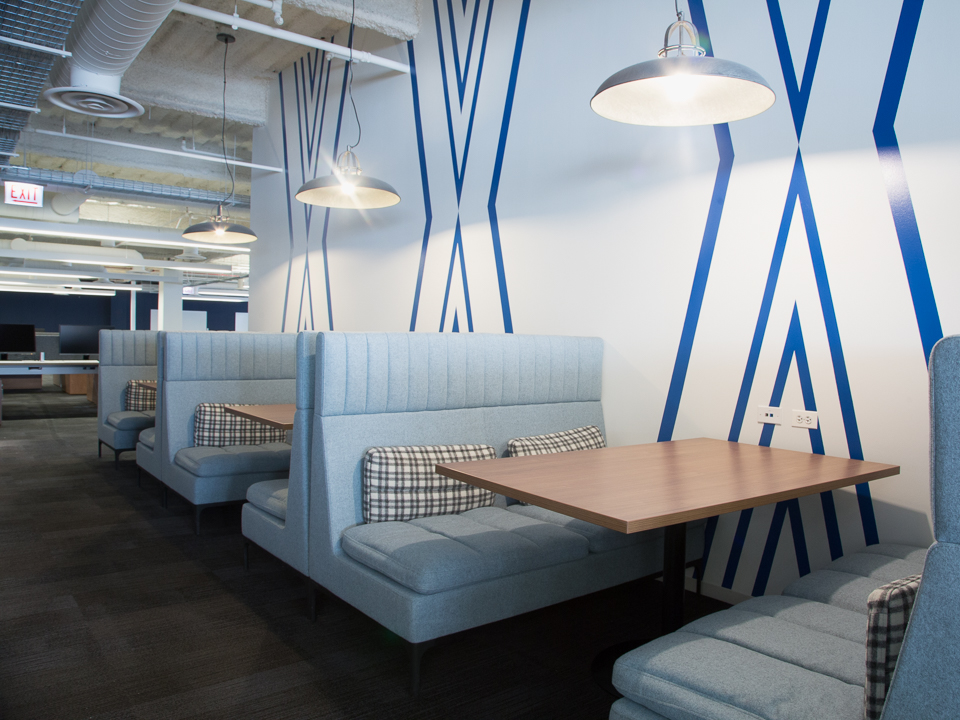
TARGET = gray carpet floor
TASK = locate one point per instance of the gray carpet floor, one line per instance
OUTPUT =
(111, 607)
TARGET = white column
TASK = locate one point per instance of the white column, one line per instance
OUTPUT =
(133, 310)
(170, 304)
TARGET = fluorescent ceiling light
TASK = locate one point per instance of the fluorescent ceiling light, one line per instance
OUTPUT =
(43, 273)
(5, 226)
(207, 298)
(226, 293)
(57, 291)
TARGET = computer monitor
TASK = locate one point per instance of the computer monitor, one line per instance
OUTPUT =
(16, 338)
(81, 339)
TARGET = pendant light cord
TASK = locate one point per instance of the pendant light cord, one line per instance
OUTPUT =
(223, 124)
(353, 17)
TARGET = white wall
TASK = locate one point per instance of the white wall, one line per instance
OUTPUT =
(602, 227)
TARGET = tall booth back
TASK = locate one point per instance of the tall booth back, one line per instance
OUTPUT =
(124, 355)
(383, 389)
(928, 672)
(251, 368)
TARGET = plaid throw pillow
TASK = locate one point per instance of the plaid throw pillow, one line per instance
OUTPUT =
(582, 438)
(215, 426)
(139, 397)
(888, 612)
(400, 483)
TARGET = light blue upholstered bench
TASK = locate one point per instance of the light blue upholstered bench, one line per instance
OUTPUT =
(434, 576)
(275, 515)
(125, 355)
(802, 655)
(232, 368)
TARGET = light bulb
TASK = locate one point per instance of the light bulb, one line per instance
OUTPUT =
(348, 188)
(219, 231)
(681, 88)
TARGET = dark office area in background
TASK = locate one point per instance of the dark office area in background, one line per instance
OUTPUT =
(48, 312)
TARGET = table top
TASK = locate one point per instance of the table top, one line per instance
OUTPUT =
(150, 384)
(277, 416)
(639, 487)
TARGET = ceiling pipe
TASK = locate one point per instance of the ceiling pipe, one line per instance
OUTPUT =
(333, 49)
(106, 38)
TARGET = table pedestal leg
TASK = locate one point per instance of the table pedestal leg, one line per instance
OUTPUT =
(674, 562)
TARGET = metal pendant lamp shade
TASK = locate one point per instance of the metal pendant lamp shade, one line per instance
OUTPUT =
(348, 188)
(219, 230)
(686, 88)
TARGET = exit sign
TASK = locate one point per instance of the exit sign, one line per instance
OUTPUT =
(17, 193)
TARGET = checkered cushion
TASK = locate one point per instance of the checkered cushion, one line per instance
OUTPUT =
(215, 426)
(139, 397)
(582, 438)
(888, 612)
(400, 483)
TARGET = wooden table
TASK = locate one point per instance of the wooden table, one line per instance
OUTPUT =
(276, 416)
(148, 384)
(641, 487)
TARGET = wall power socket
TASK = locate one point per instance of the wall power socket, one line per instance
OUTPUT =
(806, 419)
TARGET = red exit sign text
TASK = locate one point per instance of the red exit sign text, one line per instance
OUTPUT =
(16, 193)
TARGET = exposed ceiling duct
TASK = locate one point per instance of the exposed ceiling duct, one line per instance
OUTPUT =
(123, 256)
(106, 38)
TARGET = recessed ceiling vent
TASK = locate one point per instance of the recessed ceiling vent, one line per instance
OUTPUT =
(93, 94)
(106, 38)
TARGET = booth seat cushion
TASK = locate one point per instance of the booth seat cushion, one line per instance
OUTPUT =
(848, 581)
(443, 552)
(149, 437)
(401, 482)
(270, 496)
(207, 461)
(132, 419)
(769, 657)
(600, 539)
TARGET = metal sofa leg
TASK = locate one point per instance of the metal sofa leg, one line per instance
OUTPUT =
(116, 459)
(138, 476)
(164, 498)
(313, 592)
(99, 448)
(416, 655)
(246, 555)
(197, 509)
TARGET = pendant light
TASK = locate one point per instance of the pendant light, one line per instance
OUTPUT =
(219, 229)
(347, 186)
(682, 86)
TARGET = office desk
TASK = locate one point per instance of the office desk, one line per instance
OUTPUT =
(44, 367)
(641, 487)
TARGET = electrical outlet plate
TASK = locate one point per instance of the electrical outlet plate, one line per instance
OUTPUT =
(768, 415)
(806, 419)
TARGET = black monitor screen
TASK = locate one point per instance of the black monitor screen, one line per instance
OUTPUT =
(80, 339)
(17, 339)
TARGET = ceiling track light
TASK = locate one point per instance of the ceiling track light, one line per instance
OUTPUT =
(683, 86)
(219, 230)
(348, 187)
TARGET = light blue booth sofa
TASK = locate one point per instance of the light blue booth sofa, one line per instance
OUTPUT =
(231, 368)
(434, 576)
(275, 515)
(803, 655)
(148, 442)
(124, 355)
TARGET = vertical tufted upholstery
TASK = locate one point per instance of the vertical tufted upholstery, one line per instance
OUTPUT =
(287, 539)
(251, 368)
(124, 355)
(149, 458)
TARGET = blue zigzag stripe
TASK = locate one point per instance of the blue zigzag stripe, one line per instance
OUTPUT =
(462, 73)
(425, 182)
(895, 178)
(286, 182)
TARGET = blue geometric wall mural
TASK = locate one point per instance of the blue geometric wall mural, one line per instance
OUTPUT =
(463, 33)
(311, 83)
(798, 95)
